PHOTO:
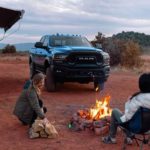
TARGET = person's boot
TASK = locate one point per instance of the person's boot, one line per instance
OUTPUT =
(129, 141)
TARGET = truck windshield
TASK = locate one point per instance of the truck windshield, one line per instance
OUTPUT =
(69, 41)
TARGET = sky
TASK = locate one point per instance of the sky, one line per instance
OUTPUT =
(83, 17)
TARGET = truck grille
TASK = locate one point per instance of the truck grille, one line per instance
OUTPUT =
(85, 58)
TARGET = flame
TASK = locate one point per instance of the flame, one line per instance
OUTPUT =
(100, 110)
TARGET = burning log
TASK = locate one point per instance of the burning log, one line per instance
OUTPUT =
(97, 118)
(84, 113)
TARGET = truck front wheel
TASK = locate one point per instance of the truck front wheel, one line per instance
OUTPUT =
(50, 81)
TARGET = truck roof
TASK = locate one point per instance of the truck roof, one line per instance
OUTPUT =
(64, 35)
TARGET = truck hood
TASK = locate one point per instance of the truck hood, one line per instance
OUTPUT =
(69, 49)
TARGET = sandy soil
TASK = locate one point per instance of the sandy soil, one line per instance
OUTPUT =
(61, 105)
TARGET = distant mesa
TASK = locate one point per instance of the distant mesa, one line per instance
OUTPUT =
(20, 46)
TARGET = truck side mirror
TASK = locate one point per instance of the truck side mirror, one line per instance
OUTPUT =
(38, 45)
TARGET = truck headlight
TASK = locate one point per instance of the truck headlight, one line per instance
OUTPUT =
(60, 57)
(106, 59)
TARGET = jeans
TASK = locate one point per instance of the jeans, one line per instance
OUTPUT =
(115, 121)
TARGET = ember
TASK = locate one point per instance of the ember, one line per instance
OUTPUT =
(96, 118)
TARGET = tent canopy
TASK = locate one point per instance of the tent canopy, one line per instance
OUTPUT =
(8, 17)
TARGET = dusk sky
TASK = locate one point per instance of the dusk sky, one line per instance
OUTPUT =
(84, 17)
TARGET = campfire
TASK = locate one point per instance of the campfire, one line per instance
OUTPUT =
(96, 118)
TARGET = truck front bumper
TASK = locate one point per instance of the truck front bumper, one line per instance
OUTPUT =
(81, 74)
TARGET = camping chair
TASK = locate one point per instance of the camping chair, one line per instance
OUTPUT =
(139, 125)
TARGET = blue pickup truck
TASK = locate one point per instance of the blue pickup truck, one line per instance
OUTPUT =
(68, 58)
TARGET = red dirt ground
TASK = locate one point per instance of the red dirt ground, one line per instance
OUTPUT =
(61, 105)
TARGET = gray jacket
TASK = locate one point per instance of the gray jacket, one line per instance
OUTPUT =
(132, 105)
(26, 105)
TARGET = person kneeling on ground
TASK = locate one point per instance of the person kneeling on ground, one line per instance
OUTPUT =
(29, 106)
(137, 100)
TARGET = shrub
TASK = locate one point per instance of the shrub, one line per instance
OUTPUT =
(9, 49)
(130, 55)
(113, 48)
(122, 52)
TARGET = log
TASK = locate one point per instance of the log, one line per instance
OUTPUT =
(99, 123)
(43, 134)
(101, 131)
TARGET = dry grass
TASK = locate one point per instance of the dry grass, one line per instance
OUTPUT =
(12, 57)
(145, 66)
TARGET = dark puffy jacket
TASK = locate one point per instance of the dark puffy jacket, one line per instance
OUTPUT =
(27, 104)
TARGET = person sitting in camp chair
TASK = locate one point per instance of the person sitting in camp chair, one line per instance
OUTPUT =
(139, 124)
(137, 100)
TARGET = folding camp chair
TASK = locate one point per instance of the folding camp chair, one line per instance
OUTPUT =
(139, 127)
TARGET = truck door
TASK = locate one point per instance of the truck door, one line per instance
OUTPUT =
(41, 53)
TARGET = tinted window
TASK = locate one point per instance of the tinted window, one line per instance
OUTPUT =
(68, 41)
(45, 43)
(42, 39)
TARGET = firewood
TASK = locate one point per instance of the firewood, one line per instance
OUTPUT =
(33, 134)
(99, 123)
(75, 117)
(108, 119)
(51, 131)
(43, 134)
(101, 131)
(75, 126)
(37, 125)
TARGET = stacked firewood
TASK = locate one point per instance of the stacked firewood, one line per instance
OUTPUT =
(39, 129)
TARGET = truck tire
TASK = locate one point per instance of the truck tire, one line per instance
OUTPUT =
(98, 86)
(32, 70)
(50, 83)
